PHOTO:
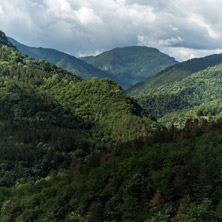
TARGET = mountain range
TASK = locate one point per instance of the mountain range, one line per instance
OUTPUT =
(126, 66)
(61, 111)
(183, 86)
(63, 60)
(83, 150)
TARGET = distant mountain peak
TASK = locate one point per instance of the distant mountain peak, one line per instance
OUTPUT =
(132, 64)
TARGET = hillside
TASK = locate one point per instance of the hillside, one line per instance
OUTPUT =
(65, 61)
(196, 96)
(131, 64)
(82, 150)
(179, 87)
(173, 74)
(49, 116)
(176, 179)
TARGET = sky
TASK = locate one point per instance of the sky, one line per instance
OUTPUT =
(183, 29)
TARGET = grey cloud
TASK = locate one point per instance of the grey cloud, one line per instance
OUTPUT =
(85, 27)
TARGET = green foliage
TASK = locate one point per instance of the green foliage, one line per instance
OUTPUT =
(173, 75)
(103, 107)
(50, 118)
(7, 211)
(4, 40)
(74, 150)
(74, 217)
(196, 96)
(177, 92)
(202, 212)
(158, 182)
(208, 111)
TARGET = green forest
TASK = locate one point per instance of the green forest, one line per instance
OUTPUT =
(180, 93)
(75, 150)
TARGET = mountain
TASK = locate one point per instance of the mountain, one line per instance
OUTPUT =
(131, 64)
(48, 116)
(197, 96)
(173, 74)
(180, 87)
(4, 40)
(126, 66)
(82, 150)
(63, 60)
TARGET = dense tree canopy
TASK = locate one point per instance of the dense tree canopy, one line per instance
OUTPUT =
(75, 150)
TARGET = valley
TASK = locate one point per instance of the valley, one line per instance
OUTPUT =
(75, 147)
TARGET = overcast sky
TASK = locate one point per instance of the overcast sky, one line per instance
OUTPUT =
(181, 28)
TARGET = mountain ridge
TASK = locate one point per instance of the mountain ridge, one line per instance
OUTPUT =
(53, 115)
(83, 67)
(174, 73)
(64, 60)
(81, 150)
(132, 63)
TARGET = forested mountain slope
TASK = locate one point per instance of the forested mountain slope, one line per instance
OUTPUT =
(77, 150)
(48, 116)
(175, 94)
(65, 61)
(174, 176)
(197, 96)
(173, 74)
(131, 64)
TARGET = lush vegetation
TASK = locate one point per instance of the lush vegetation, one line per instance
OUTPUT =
(49, 116)
(131, 64)
(65, 61)
(175, 98)
(210, 111)
(76, 150)
(192, 93)
(173, 74)
(177, 178)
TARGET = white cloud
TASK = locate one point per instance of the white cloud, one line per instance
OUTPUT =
(182, 28)
(97, 52)
(1, 10)
(182, 53)
(145, 41)
(86, 16)
(171, 41)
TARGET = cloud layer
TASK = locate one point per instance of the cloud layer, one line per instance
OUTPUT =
(183, 29)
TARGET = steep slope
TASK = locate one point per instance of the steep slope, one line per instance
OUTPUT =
(131, 64)
(49, 116)
(103, 106)
(65, 61)
(173, 74)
